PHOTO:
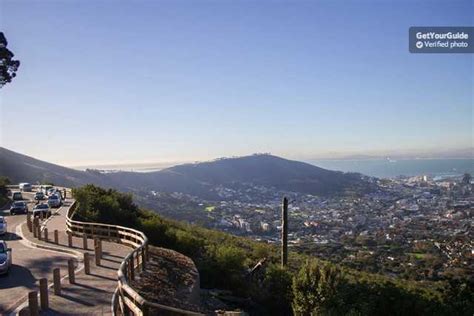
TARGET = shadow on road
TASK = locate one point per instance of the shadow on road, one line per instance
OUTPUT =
(17, 276)
(10, 236)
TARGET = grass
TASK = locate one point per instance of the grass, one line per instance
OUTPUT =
(417, 255)
(210, 208)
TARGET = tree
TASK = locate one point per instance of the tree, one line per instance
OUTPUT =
(315, 288)
(8, 66)
(276, 292)
(4, 181)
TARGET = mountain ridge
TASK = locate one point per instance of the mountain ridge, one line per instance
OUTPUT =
(198, 179)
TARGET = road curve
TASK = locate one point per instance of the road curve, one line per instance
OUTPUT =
(29, 263)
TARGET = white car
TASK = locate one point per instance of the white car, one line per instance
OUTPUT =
(25, 187)
(5, 257)
(45, 189)
(3, 225)
(54, 201)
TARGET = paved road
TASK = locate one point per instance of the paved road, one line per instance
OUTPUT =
(29, 264)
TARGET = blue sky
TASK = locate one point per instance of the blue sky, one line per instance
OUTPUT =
(151, 81)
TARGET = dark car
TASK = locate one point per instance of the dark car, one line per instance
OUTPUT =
(18, 207)
(42, 208)
(5, 257)
(39, 196)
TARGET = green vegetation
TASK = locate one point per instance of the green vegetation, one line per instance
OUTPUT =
(4, 181)
(307, 287)
(418, 255)
(8, 65)
(210, 208)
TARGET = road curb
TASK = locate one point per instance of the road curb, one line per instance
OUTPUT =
(75, 253)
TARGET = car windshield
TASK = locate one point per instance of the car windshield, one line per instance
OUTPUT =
(2, 248)
(42, 206)
(19, 204)
(2, 220)
(53, 197)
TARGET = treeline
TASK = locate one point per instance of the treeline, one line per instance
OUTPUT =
(308, 286)
(4, 181)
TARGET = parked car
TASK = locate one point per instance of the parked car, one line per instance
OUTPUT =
(25, 187)
(18, 207)
(5, 257)
(17, 196)
(3, 225)
(42, 208)
(39, 196)
(54, 201)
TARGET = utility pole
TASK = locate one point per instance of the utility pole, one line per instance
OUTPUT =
(284, 232)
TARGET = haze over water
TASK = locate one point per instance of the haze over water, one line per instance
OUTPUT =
(381, 168)
(386, 168)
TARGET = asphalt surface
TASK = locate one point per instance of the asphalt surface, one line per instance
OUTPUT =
(29, 264)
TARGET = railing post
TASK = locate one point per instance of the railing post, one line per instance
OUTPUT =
(84, 240)
(33, 303)
(97, 252)
(43, 285)
(29, 222)
(100, 247)
(69, 239)
(70, 268)
(138, 261)
(46, 237)
(57, 281)
(35, 229)
(132, 268)
(38, 233)
(56, 237)
(87, 263)
(143, 259)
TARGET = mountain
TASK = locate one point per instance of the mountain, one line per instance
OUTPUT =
(21, 168)
(269, 171)
(200, 179)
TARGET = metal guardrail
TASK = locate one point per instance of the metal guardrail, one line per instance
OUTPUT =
(125, 300)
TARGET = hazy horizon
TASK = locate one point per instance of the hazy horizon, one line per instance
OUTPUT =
(172, 81)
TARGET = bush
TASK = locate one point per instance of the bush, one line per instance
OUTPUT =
(315, 288)
(277, 293)
(4, 181)
(106, 206)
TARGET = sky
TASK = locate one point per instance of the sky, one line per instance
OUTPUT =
(154, 81)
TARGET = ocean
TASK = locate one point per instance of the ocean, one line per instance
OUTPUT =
(384, 168)
(381, 168)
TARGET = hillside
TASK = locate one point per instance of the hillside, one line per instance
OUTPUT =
(270, 171)
(22, 168)
(200, 179)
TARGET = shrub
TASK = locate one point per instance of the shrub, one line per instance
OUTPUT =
(315, 288)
